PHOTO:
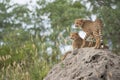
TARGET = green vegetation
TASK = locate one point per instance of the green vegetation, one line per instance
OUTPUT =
(30, 44)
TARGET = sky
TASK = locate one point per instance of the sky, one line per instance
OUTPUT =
(24, 1)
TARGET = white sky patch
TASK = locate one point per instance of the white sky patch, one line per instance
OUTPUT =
(20, 1)
(66, 48)
(93, 17)
(24, 1)
(49, 50)
(82, 34)
(31, 3)
(114, 6)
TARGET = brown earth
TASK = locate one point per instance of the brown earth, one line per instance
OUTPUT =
(87, 64)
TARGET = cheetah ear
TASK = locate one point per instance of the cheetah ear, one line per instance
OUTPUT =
(79, 19)
(76, 33)
(82, 20)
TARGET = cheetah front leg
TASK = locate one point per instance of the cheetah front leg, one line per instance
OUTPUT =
(97, 45)
(97, 38)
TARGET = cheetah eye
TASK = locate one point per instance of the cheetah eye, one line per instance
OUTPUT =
(82, 21)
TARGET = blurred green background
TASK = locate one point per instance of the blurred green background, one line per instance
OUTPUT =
(33, 36)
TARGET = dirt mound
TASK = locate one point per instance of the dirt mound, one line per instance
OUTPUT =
(87, 64)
